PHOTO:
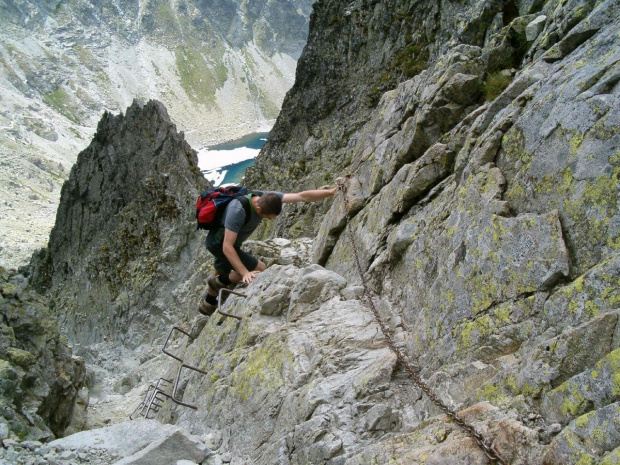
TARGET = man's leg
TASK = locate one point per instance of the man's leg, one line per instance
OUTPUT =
(225, 275)
(208, 303)
(222, 279)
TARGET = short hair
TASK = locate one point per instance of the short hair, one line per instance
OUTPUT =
(270, 203)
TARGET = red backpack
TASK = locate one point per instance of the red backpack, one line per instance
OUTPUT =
(211, 204)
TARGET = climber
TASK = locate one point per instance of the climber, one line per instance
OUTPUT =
(233, 265)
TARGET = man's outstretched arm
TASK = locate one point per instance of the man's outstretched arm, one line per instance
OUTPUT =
(309, 196)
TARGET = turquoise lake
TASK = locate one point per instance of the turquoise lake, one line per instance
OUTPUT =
(226, 163)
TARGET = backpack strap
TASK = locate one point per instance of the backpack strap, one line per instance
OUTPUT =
(245, 203)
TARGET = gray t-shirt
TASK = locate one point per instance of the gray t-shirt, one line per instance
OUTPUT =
(233, 220)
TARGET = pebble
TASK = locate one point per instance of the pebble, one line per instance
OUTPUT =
(66, 455)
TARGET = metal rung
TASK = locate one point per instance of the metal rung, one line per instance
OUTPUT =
(179, 358)
(176, 385)
(155, 392)
(220, 302)
(149, 408)
(145, 401)
(150, 397)
(168, 338)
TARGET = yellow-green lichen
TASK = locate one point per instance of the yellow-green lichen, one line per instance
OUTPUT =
(502, 314)
(612, 458)
(525, 389)
(515, 193)
(473, 331)
(262, 371)
(513, 144)
(613, 358)
(584, 420)
(491, 393)
(574, 406)
(591, 309)
(586, 459)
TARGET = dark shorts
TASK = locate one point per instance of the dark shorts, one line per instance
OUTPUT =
(222, 265)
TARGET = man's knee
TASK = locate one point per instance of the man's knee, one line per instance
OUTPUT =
(261, 266)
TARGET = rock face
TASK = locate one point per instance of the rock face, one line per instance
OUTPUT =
(307, 377)
(125, 235)
(485, 211)
(39, 377)
(139, 442)
(221, 68)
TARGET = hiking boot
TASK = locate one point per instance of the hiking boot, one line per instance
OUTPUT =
(206, 308)
(215, 284)
(226, 295)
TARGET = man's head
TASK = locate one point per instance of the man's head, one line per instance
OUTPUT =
(269, 205)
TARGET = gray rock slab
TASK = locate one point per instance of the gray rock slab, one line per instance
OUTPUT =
(122, 439)
(314, 287)
(178, 446)
(535, 27)
(593, 434)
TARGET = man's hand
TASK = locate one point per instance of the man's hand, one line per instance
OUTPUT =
(249, 276)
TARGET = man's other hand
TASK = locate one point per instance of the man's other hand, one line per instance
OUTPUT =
(249, 276)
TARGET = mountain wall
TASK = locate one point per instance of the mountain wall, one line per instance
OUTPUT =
(221, 68)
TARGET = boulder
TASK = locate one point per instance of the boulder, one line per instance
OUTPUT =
(177, 446)
(534, 28)
(122, 439)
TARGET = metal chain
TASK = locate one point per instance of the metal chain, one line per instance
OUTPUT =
(488, 449)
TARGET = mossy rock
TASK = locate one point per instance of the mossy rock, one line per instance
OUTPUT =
(9, 379)
(21, 358)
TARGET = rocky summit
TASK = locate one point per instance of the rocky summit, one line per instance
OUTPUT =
(470, 260)
(125, 230)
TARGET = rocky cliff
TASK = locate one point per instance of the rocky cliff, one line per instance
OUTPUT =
(39, 377)
(481, 145)
(484, 208)
(222, 68)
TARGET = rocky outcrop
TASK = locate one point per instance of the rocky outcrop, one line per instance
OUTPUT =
(125, 246)
(307, 377)
(39, 377)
